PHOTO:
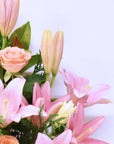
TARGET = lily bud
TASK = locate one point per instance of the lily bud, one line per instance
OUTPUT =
(47, 51)
(7, 139)
(58, 51)
(9, 10)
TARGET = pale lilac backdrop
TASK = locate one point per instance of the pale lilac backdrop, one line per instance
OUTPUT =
(88, 27)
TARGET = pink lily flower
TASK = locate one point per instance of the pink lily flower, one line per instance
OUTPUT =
(79, 89)
(9, 10)
(42, 96)
(10, 100)
(63, 138)
(81, 131)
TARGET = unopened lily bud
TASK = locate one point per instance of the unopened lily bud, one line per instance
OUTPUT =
(47, 51)
(7, 139)
(58, 51)
(9, 10)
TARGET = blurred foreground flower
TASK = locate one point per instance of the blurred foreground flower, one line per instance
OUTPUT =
(7, 139)
(79, 89)
(47, 52)
(81, 131)
(13, 59)
(63, 138)
(9, 10)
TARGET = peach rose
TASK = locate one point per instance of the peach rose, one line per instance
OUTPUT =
(13, 59)
(7, 139)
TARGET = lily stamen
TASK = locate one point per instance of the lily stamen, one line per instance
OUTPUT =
(5, 108)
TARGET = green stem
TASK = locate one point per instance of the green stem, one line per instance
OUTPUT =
(47, 77)
(1, 73)
(52, 81)
(4, 41)
(12, 77)
(50, 135)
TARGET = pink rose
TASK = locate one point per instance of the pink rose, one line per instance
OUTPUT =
(13, 59)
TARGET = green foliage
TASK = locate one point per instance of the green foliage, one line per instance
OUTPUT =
(30, 80)
(23, 33)
(51, 127)
(24, 131)
(2, 122)
(35, 59)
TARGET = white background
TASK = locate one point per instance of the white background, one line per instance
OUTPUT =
(88, 27)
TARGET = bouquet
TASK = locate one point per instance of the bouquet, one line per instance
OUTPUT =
(28, 114)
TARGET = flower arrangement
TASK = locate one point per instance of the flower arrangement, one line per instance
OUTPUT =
(28, 114)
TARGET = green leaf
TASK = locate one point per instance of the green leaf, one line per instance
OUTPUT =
(23, 34)
(7, 76)
(28, 87)
(33, 61)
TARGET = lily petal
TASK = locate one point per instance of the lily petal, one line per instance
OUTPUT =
(90, 127)
(27, 111)
(13, 94)
(95, 93)
(75, 81)
(43, 139)
(92, 141)
(78, 119)
(54, 109)
(24, 101)
(39, 102)
(70, 122)
(63, 138)
(46, 93)
(36, 93)
(61, 99)
(101, 101)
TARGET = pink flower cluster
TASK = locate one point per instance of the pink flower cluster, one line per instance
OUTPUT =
(77, 132)
(14, 106)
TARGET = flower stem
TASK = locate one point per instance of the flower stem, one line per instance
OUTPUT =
(52, 81)
(4, 41)
(1, 73)
(47, 77)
